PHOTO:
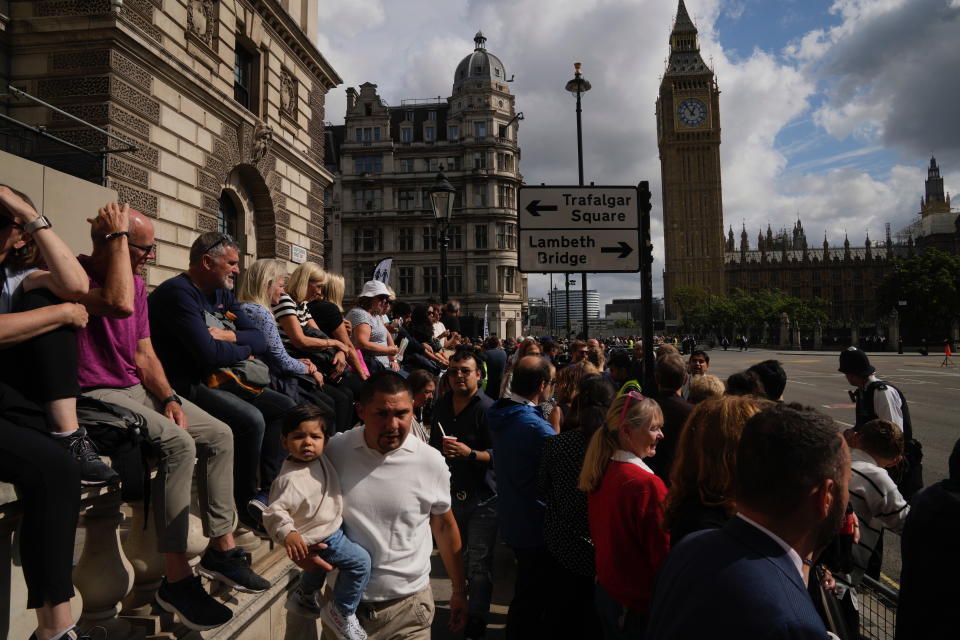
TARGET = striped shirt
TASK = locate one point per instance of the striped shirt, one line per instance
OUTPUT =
(878, 505)
(287, 307)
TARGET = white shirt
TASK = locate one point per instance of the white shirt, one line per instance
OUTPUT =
(791, 553)
(387, 504)
(305, 497)
(522, 400)
(886, 403)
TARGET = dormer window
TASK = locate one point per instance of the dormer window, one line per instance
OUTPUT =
(496, 71)
(410, 116)
(406, 134)
(431, 115)
(367, 109)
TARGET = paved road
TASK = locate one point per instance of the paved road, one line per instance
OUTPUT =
(933, 393)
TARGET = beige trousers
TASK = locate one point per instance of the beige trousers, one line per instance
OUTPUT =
(407, 618)
(207, 441)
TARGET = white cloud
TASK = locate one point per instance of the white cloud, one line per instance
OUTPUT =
(868, 76)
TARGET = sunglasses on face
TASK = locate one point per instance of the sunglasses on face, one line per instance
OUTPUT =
(147, 249)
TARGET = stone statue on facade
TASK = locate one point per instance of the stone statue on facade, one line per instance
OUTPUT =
(262, 141)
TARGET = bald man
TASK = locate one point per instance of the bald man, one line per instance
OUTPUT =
(118, 365)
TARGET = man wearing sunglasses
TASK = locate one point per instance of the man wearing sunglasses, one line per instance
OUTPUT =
(190, 351)
(117, 364)
(464, 440)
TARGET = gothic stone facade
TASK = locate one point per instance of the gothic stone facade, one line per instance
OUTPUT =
(225, 101)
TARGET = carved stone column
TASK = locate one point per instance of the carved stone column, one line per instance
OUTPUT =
(854, 335)
(784, 330)
(818, 337)
(104, 576)
(140, 548)
(795, 337)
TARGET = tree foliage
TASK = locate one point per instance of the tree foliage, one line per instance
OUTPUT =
(929, 283)
(744, 311)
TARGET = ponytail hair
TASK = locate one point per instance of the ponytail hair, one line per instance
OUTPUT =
(626, 412)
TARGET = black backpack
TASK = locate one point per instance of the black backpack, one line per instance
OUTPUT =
(908, 474)
(120, 434)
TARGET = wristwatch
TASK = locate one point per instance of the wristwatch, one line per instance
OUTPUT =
(116, 234)
(172, 398)
(41, 222)
(472, 455)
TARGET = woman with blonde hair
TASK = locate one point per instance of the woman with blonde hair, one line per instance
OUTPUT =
(705, 387)
(625, 511)
(310, 285)
(702, 476)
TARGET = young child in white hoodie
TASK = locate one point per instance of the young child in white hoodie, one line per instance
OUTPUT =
(305, 515)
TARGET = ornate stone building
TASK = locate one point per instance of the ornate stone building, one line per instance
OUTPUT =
(688, 136)
(223, 102)
(387, 157)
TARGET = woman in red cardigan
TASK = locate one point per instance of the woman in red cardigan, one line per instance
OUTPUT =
(625, 505)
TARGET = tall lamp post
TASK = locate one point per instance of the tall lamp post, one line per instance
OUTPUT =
(578, 86)
(441, 199)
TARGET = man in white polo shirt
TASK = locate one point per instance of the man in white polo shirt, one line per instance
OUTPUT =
(396, 491)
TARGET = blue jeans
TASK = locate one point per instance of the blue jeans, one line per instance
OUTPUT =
(477, 520)
(256, 435)
(619, 623)
(353, 561)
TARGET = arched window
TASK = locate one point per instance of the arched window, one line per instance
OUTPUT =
(227, 216)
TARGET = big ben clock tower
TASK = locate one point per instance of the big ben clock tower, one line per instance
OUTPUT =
(688, 136)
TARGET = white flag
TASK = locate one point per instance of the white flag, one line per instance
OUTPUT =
(382, 271)
(486, 324)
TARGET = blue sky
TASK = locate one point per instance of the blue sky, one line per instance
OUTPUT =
(829, 108)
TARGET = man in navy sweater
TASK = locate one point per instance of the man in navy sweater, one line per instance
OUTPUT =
(190, 351)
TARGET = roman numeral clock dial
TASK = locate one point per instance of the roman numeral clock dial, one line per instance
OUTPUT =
(692, 112)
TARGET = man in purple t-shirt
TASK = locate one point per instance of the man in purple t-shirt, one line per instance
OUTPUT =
(118, 365)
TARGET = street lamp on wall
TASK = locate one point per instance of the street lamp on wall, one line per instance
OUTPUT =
(442, 195)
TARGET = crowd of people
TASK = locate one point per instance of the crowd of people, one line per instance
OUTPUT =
(360, 436)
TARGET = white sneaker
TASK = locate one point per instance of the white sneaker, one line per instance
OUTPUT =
(344, 627)
(304, 603)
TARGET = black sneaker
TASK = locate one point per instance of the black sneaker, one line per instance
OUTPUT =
(189, 600)
(255, 525)
(93, 470)
(232, 568)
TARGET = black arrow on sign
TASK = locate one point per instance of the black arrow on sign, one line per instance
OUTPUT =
(535, 208)
(624, 249)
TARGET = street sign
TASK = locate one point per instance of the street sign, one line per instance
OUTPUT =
(591, 229)
(578, 208)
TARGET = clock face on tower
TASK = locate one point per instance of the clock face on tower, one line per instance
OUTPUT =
(692, 112)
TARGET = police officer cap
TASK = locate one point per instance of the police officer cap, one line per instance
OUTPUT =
(855, 362)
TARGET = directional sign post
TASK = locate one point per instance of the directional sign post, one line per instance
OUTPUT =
(589, 229)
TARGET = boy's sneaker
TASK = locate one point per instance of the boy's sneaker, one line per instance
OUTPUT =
(189, 600)
(257, 505)
(232, 568)
(93, 470)
(344, 627)
(306, 603)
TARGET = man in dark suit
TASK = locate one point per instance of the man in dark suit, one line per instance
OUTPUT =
(748, 579)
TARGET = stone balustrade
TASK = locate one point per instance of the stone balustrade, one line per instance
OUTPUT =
(117, 570)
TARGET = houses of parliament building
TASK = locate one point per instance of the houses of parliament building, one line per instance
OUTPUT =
(698, 254)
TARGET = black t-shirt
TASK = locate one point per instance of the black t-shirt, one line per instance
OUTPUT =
(470, 427)
(452, 323)
(326, 314)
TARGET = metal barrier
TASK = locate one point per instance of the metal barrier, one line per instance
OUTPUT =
(878, 609)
